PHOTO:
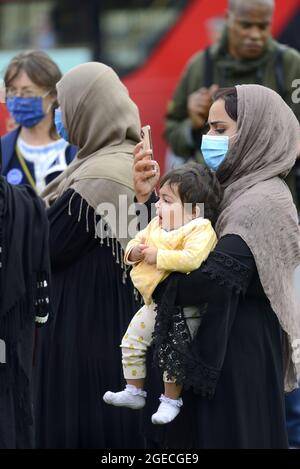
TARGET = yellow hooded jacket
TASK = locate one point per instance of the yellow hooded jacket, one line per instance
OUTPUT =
(181, 250)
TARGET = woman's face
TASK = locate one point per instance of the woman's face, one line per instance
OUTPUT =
(219, 121)
(23, 86)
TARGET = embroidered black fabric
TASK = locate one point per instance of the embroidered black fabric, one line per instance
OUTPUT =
(227, 271)
(174, 352)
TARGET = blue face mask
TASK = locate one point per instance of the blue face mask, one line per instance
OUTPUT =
(27, 112)
(60, 128)
(214, 149)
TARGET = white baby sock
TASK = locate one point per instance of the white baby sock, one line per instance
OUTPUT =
(167, 410)
(131, 397)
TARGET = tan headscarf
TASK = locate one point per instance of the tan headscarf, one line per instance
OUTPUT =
(103, 122)
(258, 206)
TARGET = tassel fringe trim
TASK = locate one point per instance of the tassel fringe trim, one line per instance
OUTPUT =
(104, 233)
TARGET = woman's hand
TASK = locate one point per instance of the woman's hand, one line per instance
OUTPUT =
(145, 173)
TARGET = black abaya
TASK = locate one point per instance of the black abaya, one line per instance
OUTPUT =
(24, 300)
(79, 355)
(238, 348)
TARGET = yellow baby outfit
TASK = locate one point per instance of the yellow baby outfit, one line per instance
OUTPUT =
(180, 250)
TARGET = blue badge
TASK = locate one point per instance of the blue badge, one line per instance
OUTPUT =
(14, 176)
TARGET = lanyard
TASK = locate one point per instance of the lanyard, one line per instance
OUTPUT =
(25, 168)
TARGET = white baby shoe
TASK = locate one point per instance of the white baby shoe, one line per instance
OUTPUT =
(167, 410)
(132, 397)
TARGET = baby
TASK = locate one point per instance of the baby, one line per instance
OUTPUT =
(177, 239)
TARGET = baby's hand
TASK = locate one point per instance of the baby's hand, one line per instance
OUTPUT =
(136, 254)
(150, 255)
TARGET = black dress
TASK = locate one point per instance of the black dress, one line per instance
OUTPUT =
(237, 355)
(24, 301)
(79, 356)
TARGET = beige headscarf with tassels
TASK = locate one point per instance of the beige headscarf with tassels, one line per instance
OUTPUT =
(258, 206)
(103, 122)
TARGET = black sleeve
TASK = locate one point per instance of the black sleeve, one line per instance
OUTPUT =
(219, 282)
(230, 265)
(72, 229)
(217, 286)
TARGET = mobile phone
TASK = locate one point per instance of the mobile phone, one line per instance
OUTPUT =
(147, 138)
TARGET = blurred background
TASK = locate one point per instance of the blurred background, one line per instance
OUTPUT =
(147, 42)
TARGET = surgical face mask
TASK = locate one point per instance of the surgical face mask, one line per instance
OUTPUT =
(60, 128)
(28, 111)
(214, 149)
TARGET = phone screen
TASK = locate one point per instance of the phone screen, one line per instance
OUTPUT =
(147, 142)
(146, 138)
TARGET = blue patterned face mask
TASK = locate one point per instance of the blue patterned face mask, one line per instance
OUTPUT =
(60, 128)
(214, 149)
(28, 111)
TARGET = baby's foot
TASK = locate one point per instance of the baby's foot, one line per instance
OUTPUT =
(167, 410)
(131, 397)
